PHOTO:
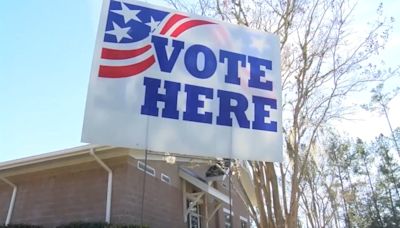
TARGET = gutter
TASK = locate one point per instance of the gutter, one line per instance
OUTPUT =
(66, 153)
(12, 200)
(109, 184)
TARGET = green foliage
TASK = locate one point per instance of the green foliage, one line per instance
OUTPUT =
(361, 182)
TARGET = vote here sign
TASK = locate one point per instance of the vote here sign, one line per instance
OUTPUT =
(171, 82)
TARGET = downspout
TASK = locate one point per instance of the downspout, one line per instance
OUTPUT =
(109, 184)
(12, 201)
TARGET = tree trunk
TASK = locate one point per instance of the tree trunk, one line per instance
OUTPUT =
(346, 210)
(259, 197)
(374, 195)
(280, 223)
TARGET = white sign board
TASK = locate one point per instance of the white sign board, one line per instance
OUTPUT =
(171, 82)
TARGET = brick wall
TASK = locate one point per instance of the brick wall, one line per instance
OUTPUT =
(5, 196)
(60, 195)
(163, 202)
(78, 192)
(238, 206)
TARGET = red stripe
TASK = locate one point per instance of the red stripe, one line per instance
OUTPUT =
(107, 53)
(126, 71)
(171, 21)
(187, 25)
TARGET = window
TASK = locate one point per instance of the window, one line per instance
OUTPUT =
(243, 222)
(194, 216)
(227, 218)
(165, 178)
(149, 170)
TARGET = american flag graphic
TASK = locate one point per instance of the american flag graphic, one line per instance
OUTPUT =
(127, 49)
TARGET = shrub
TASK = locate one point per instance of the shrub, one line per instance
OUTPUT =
(20, 226)
(99, 225)
(84, 225)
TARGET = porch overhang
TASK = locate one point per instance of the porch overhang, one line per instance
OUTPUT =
(188, 176)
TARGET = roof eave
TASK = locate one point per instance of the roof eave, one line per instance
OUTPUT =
(70, 152)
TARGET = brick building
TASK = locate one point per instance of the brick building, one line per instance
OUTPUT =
(96, 183)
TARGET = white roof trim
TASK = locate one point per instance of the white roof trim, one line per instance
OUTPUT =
(48, 156)
(246, 179)
(203, 186)
(161, 156)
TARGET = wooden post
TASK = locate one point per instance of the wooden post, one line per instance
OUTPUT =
(184, 200)
(206, 210)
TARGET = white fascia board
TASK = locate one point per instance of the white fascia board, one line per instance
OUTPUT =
(48, 156)
(249, 188)
(160, 156)
(203, 186)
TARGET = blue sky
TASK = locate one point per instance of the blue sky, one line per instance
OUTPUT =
(46, 49)
(45, 57)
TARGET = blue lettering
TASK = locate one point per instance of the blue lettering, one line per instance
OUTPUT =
(152, 97)
(260, 113)
(225, 109)
(210, 61)
(166, 64)
(233, 59)
(229, 102)
(193, 104)
(256, 73)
